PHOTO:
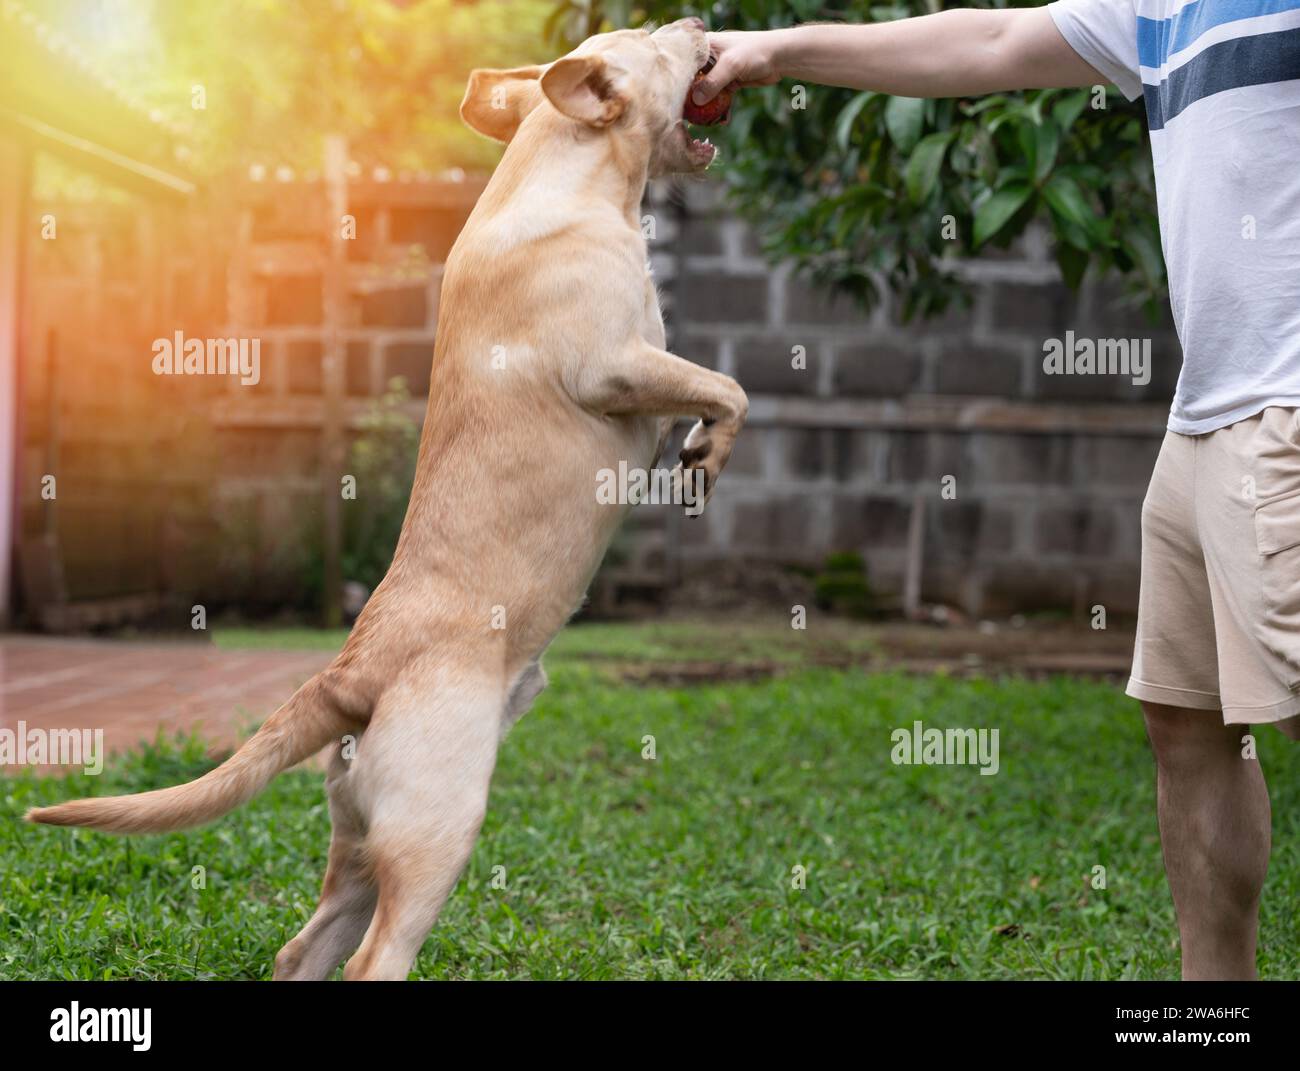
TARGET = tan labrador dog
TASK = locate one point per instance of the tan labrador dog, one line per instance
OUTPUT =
(549, 366)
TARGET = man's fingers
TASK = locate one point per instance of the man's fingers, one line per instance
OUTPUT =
(714, 82)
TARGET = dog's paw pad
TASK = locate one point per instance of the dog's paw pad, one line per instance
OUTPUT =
(693, 455)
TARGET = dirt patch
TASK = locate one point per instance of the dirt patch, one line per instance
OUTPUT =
(1032, 650)
(681, 674)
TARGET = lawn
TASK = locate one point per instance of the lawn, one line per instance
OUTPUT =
(598, 863)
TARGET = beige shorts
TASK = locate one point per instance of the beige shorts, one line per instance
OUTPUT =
(1219, 610)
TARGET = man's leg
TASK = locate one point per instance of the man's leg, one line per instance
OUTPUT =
(1215, 831)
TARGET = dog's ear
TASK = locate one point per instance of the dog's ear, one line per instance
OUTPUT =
(496, 102)
(584, 88)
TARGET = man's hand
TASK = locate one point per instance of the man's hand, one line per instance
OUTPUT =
(744, 58)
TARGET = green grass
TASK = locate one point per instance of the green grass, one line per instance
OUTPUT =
(618, 867)
(659, 641)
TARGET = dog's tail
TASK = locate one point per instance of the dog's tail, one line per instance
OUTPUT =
(300, 728)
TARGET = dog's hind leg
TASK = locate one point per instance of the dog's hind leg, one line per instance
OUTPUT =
(348, 894)
(425, 765)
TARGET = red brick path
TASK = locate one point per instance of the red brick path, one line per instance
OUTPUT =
(131, 689)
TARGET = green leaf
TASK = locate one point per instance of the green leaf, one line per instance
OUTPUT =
(984, 104)
(1069, 108)
(1036, 105)
(1073, 263)
(849, 113)
(903, 119)
(987, 156)
(1047, 140)
(1072, 234)
(994, 213)
(1144, 247)
(889, 12)
(1009, 175)
(1084, 174)
(926, 161)
(1067, 201)
(742, 121)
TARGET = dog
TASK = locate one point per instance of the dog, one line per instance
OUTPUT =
(549, 366)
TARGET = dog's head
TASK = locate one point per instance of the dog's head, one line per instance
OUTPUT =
(629, 83)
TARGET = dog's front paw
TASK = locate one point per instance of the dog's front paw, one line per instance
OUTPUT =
(703, 455)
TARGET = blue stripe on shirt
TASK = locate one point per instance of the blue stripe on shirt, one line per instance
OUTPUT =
(1257, 59)
(1158, 39)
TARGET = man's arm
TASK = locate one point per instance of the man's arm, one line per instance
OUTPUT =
(956, 53)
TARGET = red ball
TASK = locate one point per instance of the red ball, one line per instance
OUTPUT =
(715, 111)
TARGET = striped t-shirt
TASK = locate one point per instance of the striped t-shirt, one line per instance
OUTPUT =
(1221, 84)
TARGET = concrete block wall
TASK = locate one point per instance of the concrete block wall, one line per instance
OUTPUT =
(1046, 473)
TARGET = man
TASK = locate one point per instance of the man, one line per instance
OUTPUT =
(1218, 644)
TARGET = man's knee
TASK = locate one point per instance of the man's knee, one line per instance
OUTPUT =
(1181, 737)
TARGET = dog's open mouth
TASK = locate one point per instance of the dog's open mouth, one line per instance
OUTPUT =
(716, 111)
(699, 152)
